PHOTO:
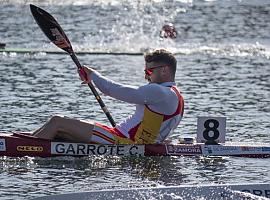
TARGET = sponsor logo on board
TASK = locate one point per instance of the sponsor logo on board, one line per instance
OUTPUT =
(266, 149)
(2, 145)
(251, 149)
(258, 192)
(63, 148)
(183, 149)
(220, 150)
(30, 148)
(225, 148)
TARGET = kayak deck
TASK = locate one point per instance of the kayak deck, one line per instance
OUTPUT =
(18, 145)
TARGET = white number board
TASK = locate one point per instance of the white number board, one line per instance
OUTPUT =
(211, 130)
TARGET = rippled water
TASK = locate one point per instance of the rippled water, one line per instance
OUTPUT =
(223, 70)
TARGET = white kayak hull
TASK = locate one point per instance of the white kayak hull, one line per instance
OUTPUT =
(222, 191)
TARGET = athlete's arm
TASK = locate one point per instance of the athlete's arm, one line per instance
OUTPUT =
(147, 94)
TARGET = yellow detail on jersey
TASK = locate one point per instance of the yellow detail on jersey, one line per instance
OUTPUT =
(147, 131)
(149, 128)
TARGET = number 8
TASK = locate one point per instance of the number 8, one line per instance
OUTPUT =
(214, 129)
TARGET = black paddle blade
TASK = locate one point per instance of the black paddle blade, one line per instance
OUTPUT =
(51, 28)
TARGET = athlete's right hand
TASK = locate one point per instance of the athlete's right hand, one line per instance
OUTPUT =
(85, 74)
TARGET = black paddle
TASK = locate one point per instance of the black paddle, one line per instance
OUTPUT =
(55, 33)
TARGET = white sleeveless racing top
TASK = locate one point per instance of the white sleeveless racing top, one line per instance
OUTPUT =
(159, 108)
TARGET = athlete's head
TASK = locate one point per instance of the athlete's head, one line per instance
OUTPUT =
(160, 66)
(168, 31)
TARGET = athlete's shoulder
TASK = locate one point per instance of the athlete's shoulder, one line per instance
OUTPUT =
(157, 90)
(152, 87)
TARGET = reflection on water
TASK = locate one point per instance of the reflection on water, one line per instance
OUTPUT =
(55, 175)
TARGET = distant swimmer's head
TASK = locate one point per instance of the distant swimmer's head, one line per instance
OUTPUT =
(168, 31)
(2, 45)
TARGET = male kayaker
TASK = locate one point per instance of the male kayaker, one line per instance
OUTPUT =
(159, 107)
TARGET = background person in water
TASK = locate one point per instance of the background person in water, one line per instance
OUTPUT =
(168, 31)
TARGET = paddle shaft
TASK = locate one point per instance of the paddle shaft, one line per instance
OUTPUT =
(94, 91)
(56, 34)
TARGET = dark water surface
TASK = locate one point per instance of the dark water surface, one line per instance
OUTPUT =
(223, 70)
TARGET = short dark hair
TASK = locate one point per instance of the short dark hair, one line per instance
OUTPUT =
(162, 56)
